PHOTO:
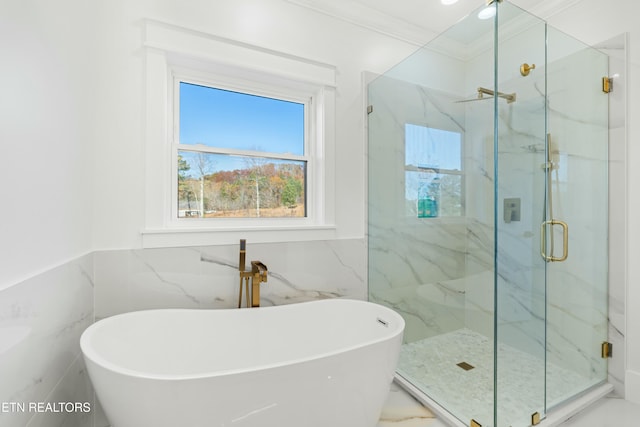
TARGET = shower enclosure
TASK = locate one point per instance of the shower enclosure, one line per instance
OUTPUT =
(487, 216)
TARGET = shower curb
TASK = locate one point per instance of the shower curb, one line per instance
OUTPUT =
(554, 418)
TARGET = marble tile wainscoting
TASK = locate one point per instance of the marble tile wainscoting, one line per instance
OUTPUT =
(41, 320)
(207, 277)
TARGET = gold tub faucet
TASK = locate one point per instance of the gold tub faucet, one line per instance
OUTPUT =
(257, 275)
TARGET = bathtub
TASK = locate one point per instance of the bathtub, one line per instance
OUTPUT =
(320, 363)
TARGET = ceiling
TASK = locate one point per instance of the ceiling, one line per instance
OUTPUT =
(418, 21)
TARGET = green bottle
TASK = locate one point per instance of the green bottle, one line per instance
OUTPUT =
(428, 199)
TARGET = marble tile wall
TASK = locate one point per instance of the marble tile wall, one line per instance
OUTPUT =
(412, 261)
(207, 277)
(41, 320)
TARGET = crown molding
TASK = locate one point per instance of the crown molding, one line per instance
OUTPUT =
(547, 8)
(358, 13)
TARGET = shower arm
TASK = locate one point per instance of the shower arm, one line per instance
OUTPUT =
(510, 97)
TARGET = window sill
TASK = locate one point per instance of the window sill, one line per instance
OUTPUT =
(180, 237)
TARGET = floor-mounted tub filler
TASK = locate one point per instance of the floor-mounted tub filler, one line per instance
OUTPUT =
(321, 363)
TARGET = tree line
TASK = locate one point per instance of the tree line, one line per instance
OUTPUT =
(254, 191)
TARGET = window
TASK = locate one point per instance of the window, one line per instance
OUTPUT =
(433, 172)
(239, 155)
(264, 180)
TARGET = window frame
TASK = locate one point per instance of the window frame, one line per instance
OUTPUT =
(205, 56)
(250, 87)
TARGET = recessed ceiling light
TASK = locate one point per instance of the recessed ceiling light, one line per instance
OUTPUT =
(448, 2)
(488, 12)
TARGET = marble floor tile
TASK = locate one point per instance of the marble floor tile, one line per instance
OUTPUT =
(402, 410)
(608, 412)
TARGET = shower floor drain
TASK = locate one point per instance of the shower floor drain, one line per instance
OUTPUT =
(465, 366)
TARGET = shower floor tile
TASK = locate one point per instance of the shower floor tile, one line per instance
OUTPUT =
(467, 391)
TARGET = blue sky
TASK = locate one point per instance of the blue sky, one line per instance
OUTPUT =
(226, 119)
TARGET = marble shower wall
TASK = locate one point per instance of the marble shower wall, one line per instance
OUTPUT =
(41, 320)
(413, 262)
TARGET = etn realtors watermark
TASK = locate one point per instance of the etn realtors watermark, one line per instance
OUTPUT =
(44, 407)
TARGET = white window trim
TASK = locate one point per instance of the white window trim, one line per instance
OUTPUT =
(314, 190)
(173, 52)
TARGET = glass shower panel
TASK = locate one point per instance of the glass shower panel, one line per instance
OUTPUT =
(578, 195)
(520, 188)
(431, 216)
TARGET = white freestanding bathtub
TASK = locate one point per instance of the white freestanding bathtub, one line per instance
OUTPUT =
(324, 363)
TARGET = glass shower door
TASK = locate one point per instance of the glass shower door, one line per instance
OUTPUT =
(520, 144)
(551, 227)
(577, 194)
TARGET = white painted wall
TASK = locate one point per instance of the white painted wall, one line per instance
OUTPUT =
(47, 132)
(72, 117)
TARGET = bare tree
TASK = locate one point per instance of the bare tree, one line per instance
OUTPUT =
(254, 164)
(204, 166)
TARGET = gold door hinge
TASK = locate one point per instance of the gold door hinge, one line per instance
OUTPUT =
(535, 418)
(607, 84)
(607, 350)
(369, 109)
(474, 423)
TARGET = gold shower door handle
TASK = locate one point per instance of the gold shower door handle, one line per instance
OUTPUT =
(543, 241)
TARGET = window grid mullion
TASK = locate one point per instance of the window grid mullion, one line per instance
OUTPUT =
(247, 153)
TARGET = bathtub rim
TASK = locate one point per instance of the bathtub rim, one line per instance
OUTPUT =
(89, 353)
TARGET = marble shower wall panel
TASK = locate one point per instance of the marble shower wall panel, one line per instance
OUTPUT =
(521, 301)
(417, 272)
(41, 320)
(414, 263)
(207, 277)
(521, 139)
